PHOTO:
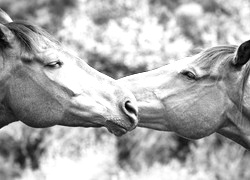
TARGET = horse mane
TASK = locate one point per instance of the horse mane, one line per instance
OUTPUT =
(213, 56)
(30, 35)
(219, 56)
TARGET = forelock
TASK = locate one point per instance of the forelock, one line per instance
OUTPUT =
(31, 37)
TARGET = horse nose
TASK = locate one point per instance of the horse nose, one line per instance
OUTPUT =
(131, 111)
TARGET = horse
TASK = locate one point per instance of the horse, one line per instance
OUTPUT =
(43, 85)
(196, 96)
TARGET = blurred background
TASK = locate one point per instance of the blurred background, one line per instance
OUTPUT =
(120, 38)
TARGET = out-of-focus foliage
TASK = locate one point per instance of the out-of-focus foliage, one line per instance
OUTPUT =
(120, 38)
(46, 13)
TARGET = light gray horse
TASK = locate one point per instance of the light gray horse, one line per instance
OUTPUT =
(198, 95)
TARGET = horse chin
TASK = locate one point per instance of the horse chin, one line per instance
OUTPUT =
(116, 128)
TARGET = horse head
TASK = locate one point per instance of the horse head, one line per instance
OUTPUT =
(198, 95)
(42, 84)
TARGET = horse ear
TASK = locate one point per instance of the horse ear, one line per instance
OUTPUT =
(242, 54)
(4, 17)
(6, 36)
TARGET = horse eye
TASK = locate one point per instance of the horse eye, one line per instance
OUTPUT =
(54, 64)
(189, 75)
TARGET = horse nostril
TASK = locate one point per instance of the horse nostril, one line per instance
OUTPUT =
(130, 108)
(132, 112)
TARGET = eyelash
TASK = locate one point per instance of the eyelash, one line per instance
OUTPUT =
(188, 74)
(54, 64)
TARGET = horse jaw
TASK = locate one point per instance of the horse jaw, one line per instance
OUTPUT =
(6, 116)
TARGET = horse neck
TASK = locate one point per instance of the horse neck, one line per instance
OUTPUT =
(237, 126)
(6, 117)
(238, 116)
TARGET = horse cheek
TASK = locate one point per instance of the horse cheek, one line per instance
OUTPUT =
(211, 108)
(32, 105)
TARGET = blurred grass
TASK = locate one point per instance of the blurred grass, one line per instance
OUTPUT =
(98, 162)
(120, 38)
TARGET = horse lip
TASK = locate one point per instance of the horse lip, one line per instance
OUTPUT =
(116, 128)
